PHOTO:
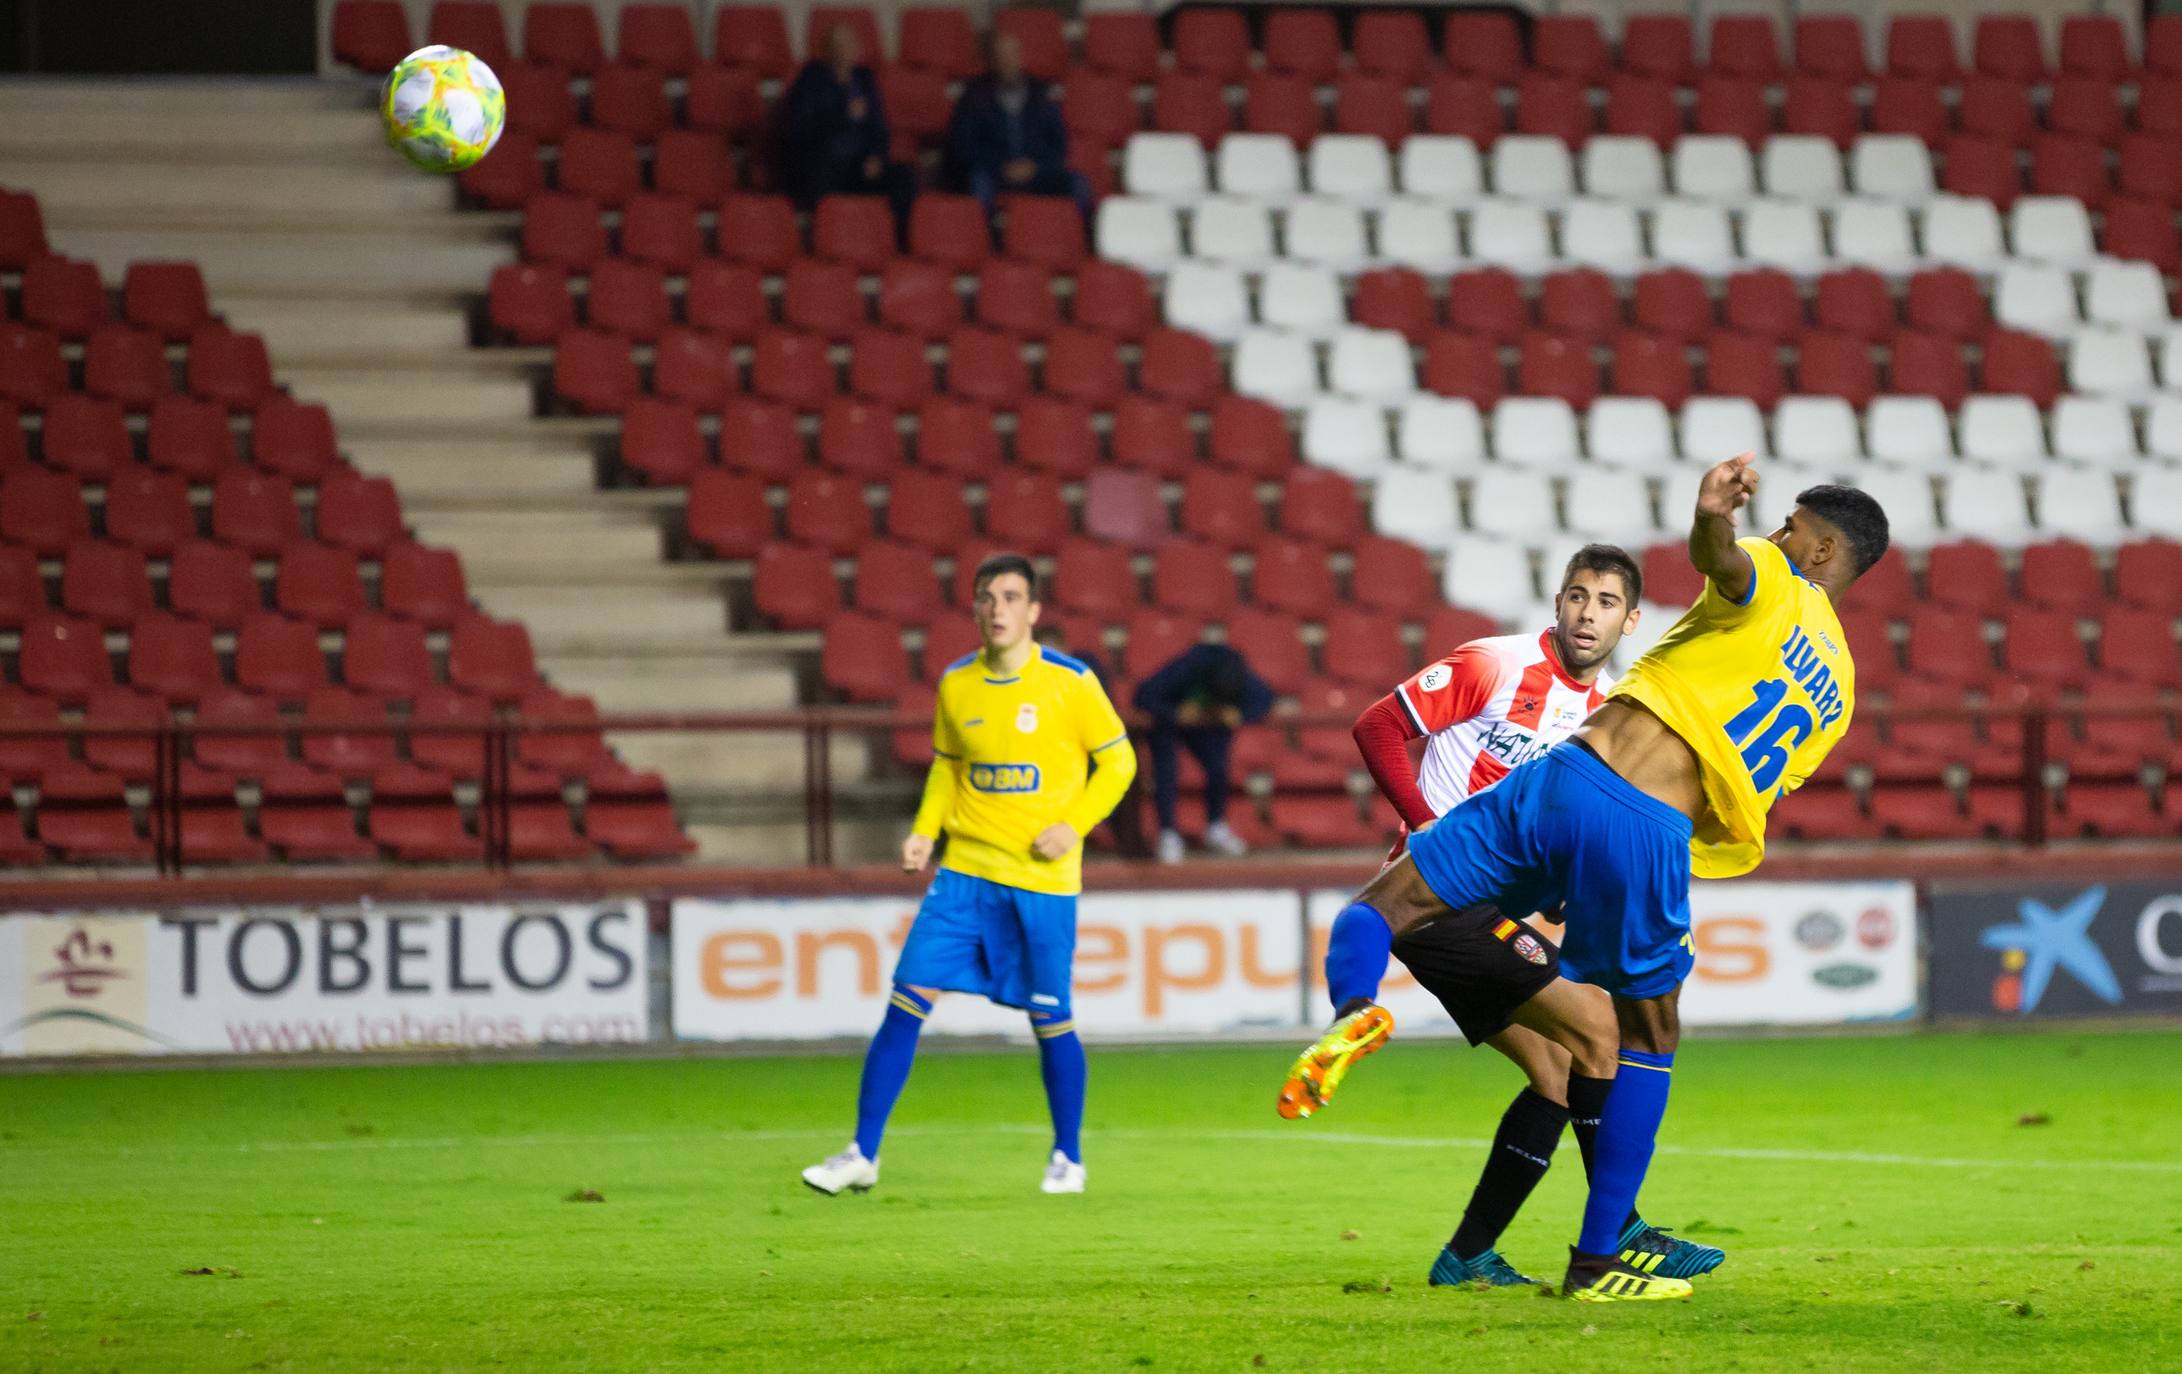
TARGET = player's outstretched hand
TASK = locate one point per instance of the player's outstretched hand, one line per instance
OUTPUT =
(1054, 841)
(916, 853)
(1728, 487)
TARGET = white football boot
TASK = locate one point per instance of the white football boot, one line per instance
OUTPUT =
(1171, 847)
(1063, 1175)
(848, 1169)
(1221, 840)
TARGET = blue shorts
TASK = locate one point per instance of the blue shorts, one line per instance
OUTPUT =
(1011, 946)
(1566, 829)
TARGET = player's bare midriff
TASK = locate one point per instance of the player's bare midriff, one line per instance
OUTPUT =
(1646, 752)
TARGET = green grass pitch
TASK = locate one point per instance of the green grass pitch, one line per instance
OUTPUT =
(1882, 1208)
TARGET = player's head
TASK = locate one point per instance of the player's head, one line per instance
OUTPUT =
(1004, 594)
(1596, 605)
(1833, 534)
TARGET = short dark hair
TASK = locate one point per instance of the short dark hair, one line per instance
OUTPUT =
(1856, 514)
(999, 563)
(1606, 558)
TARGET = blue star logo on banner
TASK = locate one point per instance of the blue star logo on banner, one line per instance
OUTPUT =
(2051, 937)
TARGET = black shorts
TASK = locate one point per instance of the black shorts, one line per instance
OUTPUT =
(1481, 965)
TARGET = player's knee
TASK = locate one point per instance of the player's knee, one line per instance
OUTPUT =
(1402, 897)
(1053, 1023)
(1592, 1040)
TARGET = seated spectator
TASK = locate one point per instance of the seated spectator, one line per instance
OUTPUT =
(1195, 703)
(1006, 135)
(834, 139)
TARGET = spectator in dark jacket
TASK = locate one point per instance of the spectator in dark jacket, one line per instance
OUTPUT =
(1195, 703)
(1006, 135)
(833, 131)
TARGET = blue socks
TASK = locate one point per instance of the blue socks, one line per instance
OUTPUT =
(1628, 1128)
(1061, 1064)
(1356, 953)
(886, 1066)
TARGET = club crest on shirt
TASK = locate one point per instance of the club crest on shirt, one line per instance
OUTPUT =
(1435, 677)
(1026, 718)
(1529, 948)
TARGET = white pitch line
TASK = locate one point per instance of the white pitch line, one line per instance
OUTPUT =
(1300, 1136)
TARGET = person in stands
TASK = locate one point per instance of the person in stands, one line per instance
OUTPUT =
(1195, 703)
(834, 139)
(1007, 136)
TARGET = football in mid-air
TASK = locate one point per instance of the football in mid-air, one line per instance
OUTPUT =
(443, 108)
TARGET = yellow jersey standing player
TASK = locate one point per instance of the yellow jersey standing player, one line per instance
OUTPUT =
(1731, 710)
(1018, 729)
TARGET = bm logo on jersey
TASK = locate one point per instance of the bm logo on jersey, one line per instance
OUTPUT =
(1003, 777)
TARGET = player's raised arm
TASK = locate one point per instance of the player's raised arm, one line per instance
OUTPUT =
(1725, 490)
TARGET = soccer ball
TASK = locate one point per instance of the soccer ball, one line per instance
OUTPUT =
(443, 109)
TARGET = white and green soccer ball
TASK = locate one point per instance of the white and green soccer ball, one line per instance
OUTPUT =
(443, 108)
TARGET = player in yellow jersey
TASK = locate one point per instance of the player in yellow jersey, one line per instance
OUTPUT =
(1030, 755)
(1729, 711)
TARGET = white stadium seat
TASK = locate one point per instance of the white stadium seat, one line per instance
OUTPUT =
(1371, 363)
(1712, 167)
(1907, 499)
(1962, 232)
(1166, 166)
(1632, 431)
(1533, 167)
(1418, 505)
(1489, 575)
(2002, 432)
(2169, 350)
(1613, 505)
(1419, 234)
(2037, 298)
(1346, 435)
(1874, 234)
(1908, 431)
(1603, 234)
(1145, 234)
(2053, 229)
(1440, 432)
(2094, 430)
(1535, 432)
(1818, 431)
(1800, 167)
(1784, 234)
(2081, 505)
(1714, 428)
(1778, 483)
(1329, 232)
(1302, 297)
(1227, 229)
(1622, 167)
(1687, 233)
(1504, 233)
(2126, 295)
(2163, 428)
(1891, 167)
(1269, 365)
(1261, 166)
(1207, 298)
(2155, 499)
(1351, 167)
(1987, 504)
(1512, 503)
(1441, 167)
(2109, 362)
(1654, 621)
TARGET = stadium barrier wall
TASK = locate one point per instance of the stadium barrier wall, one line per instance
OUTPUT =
(2041, 950)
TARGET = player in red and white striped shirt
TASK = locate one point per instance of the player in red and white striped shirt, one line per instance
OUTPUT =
(1489, 706)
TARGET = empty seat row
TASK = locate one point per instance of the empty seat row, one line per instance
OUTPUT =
(91, 438)
(131, 366)
(2144, 590)
(151, 510)
(67, 296)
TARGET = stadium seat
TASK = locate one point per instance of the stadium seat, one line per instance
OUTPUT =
(1837, 365)
(1417, 505)
(1732, 109)
(63, 296)
(628, 299)
(213, 583)
(371, 35)
(1982, 503)
(1222, 508)
(1249, 436)
(1272, 646)
(752, 36)
(1484, 44)
(1602, 235)
(1875, 235)
(256, 511)
(1744, 365)
(105, 583)
(1910, 108)
(2021, 364)
(1292, 578)
(1193, 579)
(85, 437)
(1692, 235)
(128, 365)
(793, 586)
(2136, 645)
(22, 587)
(83, 816)
(923, 508)
(32, 371)
(529, 303)
(319, 585)
(2126, 295)
(2086, 508)
(1909, 431)
(1346, 435)
(144, 508)
(1124, 507)
(1051, 435)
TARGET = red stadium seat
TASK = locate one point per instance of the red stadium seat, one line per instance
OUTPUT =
(1946, 300)
(106, 583)
(939, 38)
(949, 230)
(1039, 34)
(230, 368)
(1645, 365)
(278, 657)
(563, 230)
(2148, 575)
(752, 36)
(700, 370)
(1395, 298)
(1125, 507)
(660, 440)
(631, 100)
(927, 509)
(1276, 103)
(2141, 231)
(358, 513)
(1323, 506)
(86, 437)
(1376, 105)
(144, 508)
(637, 828)
(858, 230)
(1967, 576)
(173, 658)
(1466, 366)
(1746, 46)
(628, 299)
(1658, 47)
(593, 372)
(544, 832)
(1570, 46)
(692, 166)
(1181, 366)
(387, 657)
(987, 366)
(859, 438)
(2076, 167)
(423, 584)
(1579, 303)
(1115, 299)
(1391, 43)
(1250, 436)
(2018, 364)
(491, 658)
(2094, 46)
(1126, 44)
(43, 510)
(1555, 106)
(1214, 42)
(1644, 106)
(1733, 106)
(129, 366)
(371, 35)
(661, 230)
(473, 25)
(1466, 106)
(1672, 302)
(529, 303)
(1192, 103)
(2084, 108)
(540, 104)
(1983, 169)
(1392, 576)
(957, 436)
(294, 440)
(1272, 645)
(31, 369)
(1746, 365)
(565, 753)
(1054, 434)
(256, 511)
(1992, 108)
(862, 658)
(62, 657)
(1094, 578)
(1024, 510)
(828, 511)
(1922, 45)
(1554, 366)
(1190, 578)
(2043, 649)
(1015, 297)
(134, 757)
(1222, 508)
(917, 107)
(1484, 44)
(319, 585)
(244, 754)
(896, 581)
(22, 588)
(600, 164)
(64, 296)
(2063, 575)
(1488, 301)
(793, 368)
(890, 367)
(1823, 108)
(1292, 577)
(721, 101)
(1302, 42)
(1364, 648)
(1837, 365)
(1668, 577)
(83, 816)
(1929, 365)
(1153, 436)
(2151, 169)
(2138, 646)
(659, 36)
(1100, 108)
(348, 755)
(727, 299)
(1903, 105)
(1084, 366)
(564, 36)
(22, 230)
(823, 298)
(457, 753)
(1948, 647)
(794, 587)
(213, 583)
(2008, 46)
(423, 830)
(508, 176)
(727, 513)
(1047, 230)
